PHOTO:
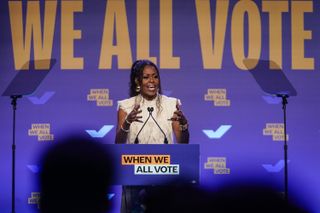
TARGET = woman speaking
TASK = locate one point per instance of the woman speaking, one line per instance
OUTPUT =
(148, 117)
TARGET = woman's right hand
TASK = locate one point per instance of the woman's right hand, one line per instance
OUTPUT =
(133, 115)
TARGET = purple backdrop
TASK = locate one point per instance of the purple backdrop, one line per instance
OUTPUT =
(238, 126)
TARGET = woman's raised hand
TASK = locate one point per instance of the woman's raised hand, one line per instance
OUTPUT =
(178, 116)
(133, 115)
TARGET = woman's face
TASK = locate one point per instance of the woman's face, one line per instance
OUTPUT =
(150, 82)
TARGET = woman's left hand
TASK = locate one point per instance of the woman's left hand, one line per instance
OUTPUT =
(178, 116)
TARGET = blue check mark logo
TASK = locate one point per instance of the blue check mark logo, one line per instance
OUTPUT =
(101, 133)
(222, 130)
(43, 99)
(33, 168)
(110, 195)
(274, 168)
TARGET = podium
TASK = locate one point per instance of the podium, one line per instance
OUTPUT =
(146, 164)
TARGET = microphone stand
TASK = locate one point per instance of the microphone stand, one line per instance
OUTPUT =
(165, 137)
(14, 107)
(284, 103)
(136, 141)
(150, 110)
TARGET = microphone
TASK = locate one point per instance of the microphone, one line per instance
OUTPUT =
(136, 141)
(150, 109)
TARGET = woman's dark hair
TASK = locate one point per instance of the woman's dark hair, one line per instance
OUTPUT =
(137, 73)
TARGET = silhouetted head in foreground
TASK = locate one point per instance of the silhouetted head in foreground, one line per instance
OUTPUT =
(75, 175)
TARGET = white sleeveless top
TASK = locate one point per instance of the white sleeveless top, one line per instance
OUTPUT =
(151, 134)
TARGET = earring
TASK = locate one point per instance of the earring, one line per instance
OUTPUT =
(137, 88)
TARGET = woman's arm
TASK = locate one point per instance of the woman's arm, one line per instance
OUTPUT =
(180, 126)
(124, 122)
(181, 132)
(123, 127)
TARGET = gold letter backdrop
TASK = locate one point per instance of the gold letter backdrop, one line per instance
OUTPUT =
(225, 60)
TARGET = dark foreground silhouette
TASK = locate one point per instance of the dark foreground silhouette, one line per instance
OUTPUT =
(242, 197)
(75, 176)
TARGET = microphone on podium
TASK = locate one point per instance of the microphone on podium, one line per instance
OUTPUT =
(136, 141)
(150, 110)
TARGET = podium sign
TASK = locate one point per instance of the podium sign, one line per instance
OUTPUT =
(146, 164)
